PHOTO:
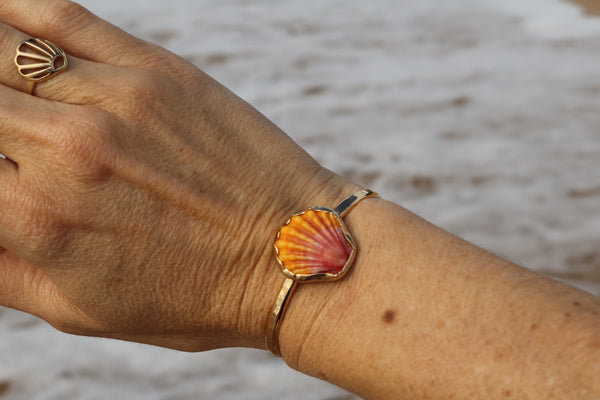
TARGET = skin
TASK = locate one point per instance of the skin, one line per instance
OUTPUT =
(140, 200)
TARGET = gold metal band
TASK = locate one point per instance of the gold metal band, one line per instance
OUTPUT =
(346, 205)
(281, 304)
(30, 87)
(290, 284)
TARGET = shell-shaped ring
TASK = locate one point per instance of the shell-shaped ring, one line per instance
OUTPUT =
(39, 60)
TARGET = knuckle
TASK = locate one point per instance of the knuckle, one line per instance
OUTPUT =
(35, 229)
(137, 93)
(84, 143)
(83, 133)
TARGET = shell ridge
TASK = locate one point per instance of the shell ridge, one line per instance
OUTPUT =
(299, 238)
(305, 224)
(295, 229)
(330, 232)
(31, 66)
(292, 248)
(36, 46)
(306, 269)
(334, 254)
(318, 242)
(52, 50)
(324, 219)
(339, 243)
(38, 74)
(340, 236)
(336, 231)
(35, 74)
(305, 231)
(295, 237)
(314, 220)
(32, 56)
(314, 257)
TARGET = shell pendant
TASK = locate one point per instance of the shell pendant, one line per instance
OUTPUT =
(315, 245)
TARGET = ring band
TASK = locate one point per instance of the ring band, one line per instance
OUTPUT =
(314, 245)
(38, 60)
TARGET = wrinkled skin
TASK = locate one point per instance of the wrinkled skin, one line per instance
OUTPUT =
(140, 198)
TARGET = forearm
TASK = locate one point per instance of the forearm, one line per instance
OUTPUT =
(424, 314)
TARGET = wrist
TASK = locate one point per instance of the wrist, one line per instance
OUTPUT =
(322, 314)
(262, 286)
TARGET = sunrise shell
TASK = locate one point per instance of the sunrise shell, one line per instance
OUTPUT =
(38, 59)
(314, 245)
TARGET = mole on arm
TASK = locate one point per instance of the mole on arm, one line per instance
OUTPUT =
(388, 316)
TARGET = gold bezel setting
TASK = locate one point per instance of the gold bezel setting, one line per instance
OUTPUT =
(349, 242)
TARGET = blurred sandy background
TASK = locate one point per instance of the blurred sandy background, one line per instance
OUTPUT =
(591, 7)
(480, 115)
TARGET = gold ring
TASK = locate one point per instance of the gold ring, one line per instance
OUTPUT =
(39, 60)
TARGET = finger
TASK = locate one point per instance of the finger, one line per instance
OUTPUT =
(9, 168)
(80, 32)
(26, 288)
(81, 81)
(12, 118)
(21, 118)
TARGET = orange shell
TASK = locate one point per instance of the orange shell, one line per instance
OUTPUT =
(314, 245)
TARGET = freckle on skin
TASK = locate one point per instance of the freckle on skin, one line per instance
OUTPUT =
(388, 316)
(576, 304)
(533, 327)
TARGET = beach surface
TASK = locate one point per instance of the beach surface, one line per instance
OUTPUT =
(479, 115)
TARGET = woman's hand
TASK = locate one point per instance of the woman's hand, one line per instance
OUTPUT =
(140, 198)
